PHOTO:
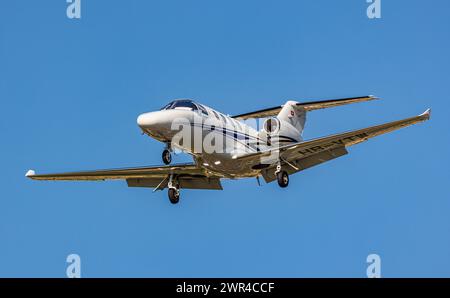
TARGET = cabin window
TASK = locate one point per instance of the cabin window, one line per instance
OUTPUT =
(203, 110)
(216, 115)
(224, 119)
(237, 124)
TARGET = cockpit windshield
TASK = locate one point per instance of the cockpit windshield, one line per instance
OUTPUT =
(182, 104)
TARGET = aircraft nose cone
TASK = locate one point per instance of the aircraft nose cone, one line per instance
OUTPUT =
(147, 120)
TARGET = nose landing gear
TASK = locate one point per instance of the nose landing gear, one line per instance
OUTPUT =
(166, 156)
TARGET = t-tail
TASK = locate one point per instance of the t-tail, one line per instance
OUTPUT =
(293, 116)
(289, 124)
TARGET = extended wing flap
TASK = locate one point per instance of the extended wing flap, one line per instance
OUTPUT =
(189, 182)
(306, 162)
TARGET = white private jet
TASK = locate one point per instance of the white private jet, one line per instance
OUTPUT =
(230, 148)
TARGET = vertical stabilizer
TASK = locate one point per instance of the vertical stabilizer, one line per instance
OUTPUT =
(294, 115)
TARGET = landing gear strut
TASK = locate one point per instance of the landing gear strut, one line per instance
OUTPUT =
(166, 156)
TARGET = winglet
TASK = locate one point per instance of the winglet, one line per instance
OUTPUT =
(30, 173)
(426, 114)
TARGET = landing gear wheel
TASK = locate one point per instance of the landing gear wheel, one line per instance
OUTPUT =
(283, 179)
(166, 157)
(174, 195)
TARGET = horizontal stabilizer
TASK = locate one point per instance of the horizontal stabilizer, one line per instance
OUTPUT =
(307, 105)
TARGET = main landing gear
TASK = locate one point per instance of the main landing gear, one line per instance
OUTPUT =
(174, 195)
(174, 190)
(282, 177)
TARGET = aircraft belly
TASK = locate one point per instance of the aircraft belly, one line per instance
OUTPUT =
(225, 165)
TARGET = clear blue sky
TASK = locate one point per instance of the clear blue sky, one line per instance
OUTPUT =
(71, 90)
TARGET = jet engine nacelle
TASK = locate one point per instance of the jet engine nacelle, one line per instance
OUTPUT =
(272, 125)
(276, 130)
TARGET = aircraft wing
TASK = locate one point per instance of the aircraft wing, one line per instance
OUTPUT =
(188, 175)
(308, 106)
(305, 154)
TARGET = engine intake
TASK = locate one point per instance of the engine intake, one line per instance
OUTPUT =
(272, 125)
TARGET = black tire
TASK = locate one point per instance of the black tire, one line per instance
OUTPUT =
(166, 157)
(174, 195)
(283, 179)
